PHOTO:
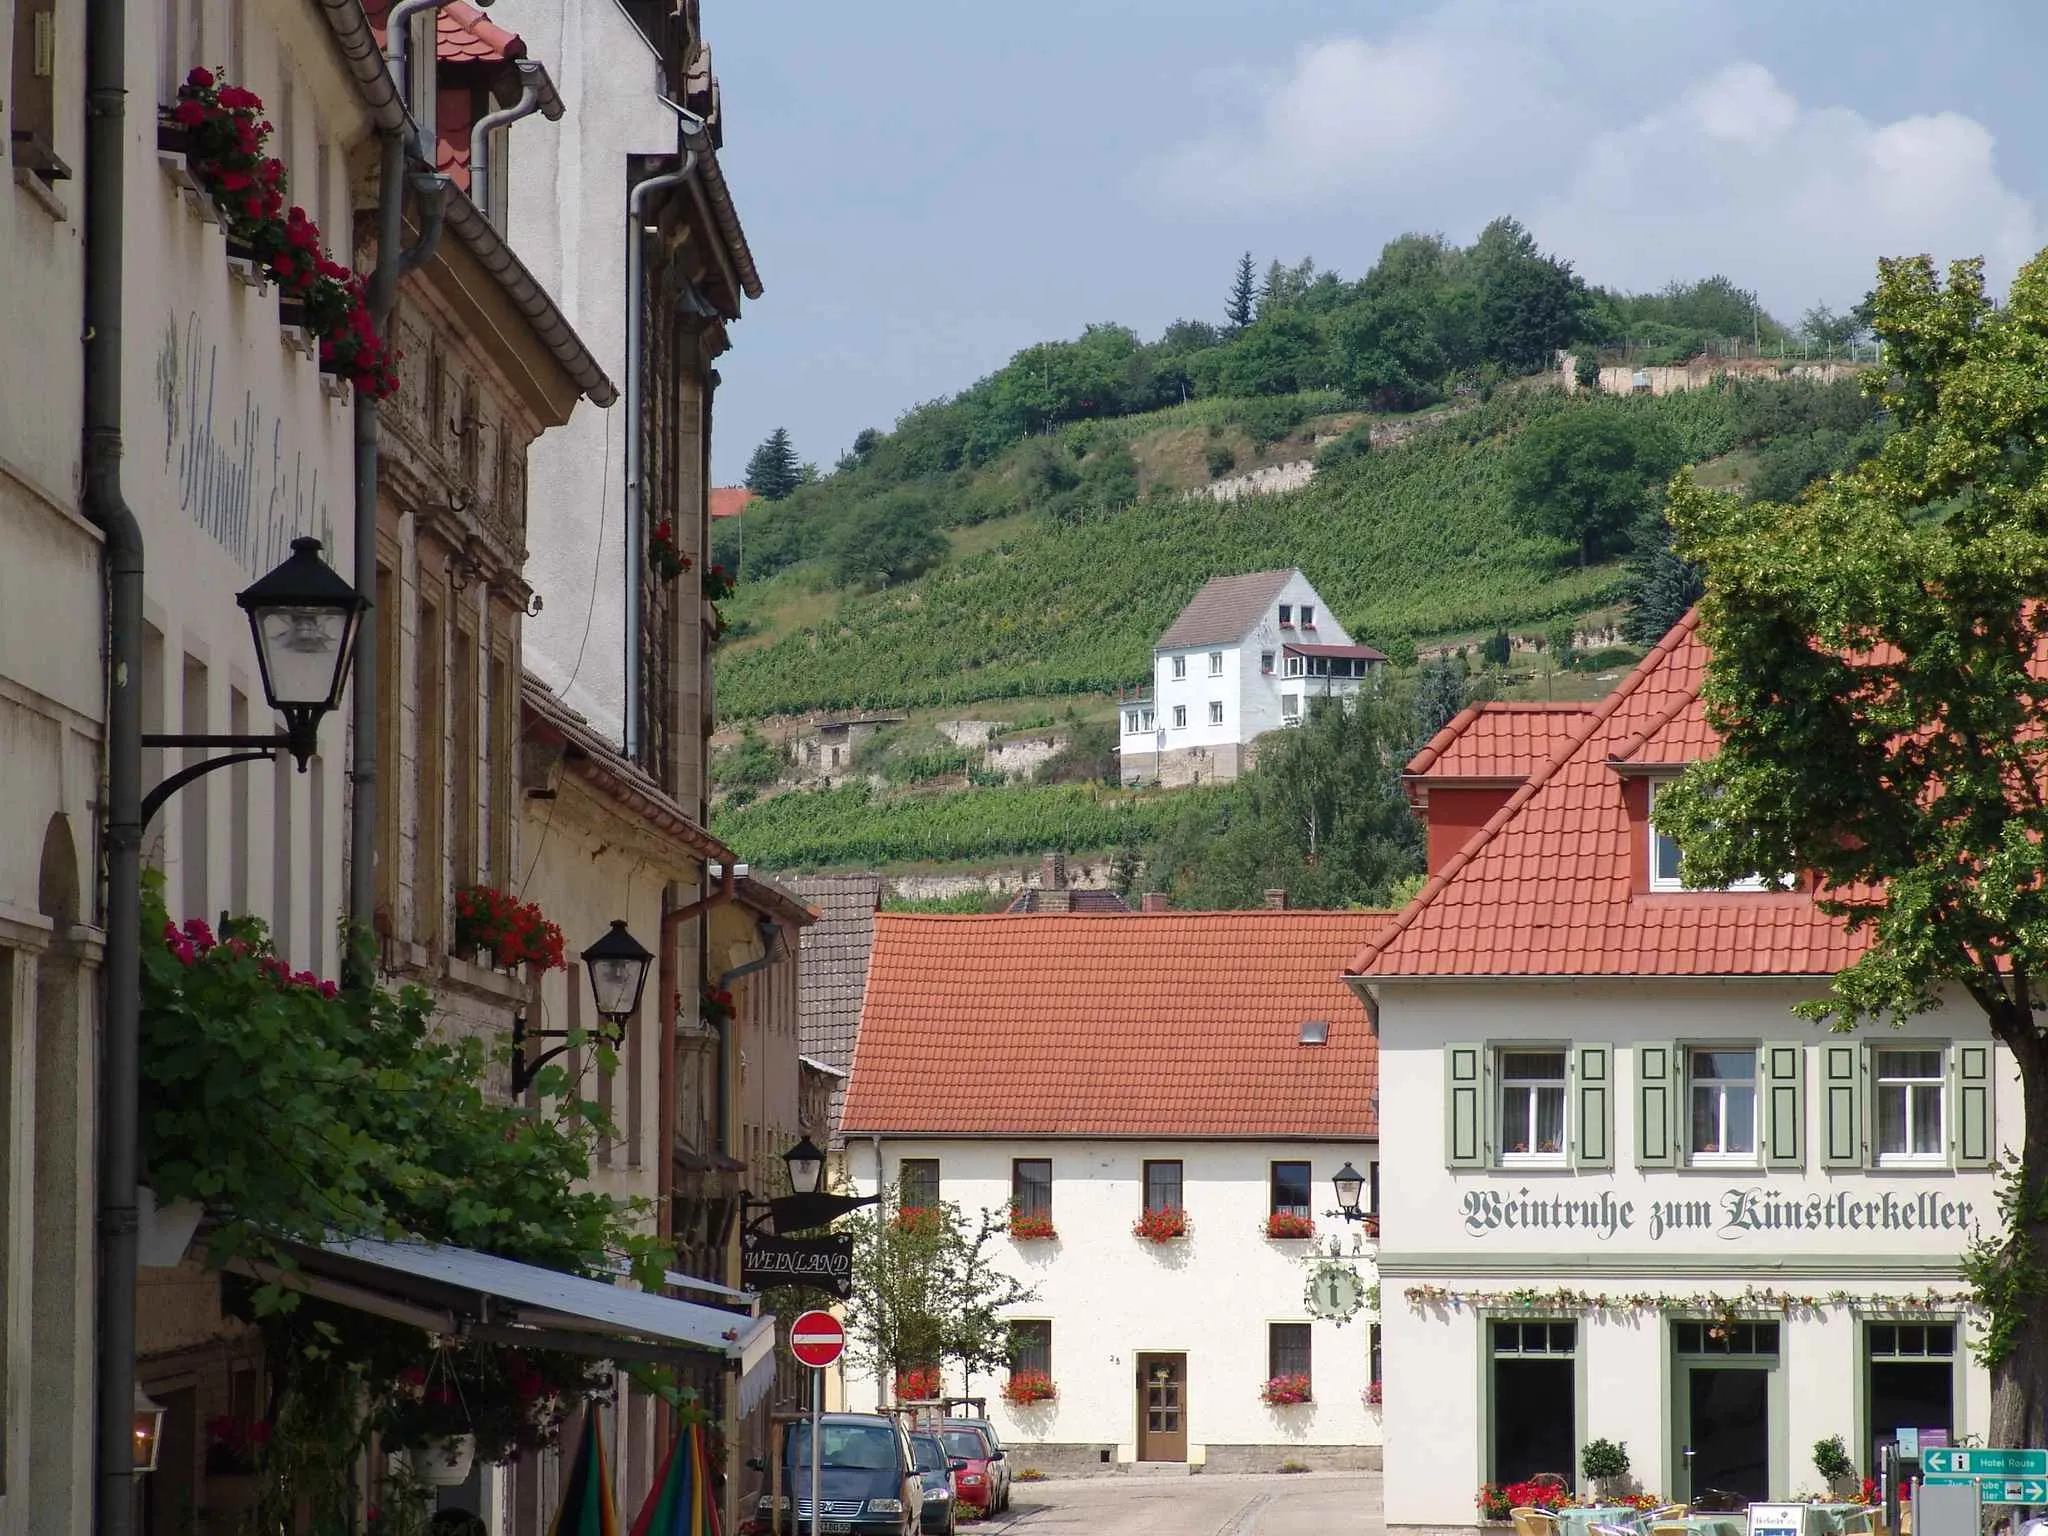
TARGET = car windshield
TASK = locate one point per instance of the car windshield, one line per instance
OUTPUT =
(966, 1443)
(870, 1447)
(931, 1456)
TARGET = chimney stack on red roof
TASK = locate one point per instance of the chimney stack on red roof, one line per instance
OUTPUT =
(1053, 872)
(1155, 901)
(1277, 900)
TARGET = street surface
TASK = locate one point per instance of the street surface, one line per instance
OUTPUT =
(1298, 1504)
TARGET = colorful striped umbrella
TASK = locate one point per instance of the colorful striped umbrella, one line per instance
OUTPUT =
(587, 1508)
(683, 1501)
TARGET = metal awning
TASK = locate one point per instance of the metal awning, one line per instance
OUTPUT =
(461, 1292)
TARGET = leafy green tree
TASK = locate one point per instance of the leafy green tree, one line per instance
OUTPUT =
(889, 539)
(1824, 328)
(1875, 678)
(773, 472)
(749, 763)
(1583, 475)
(1529, 304)
(1244, 292)
(1387, 352)
(1661, 586)
(1441, 690)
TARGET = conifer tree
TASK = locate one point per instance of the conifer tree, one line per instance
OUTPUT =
(1243, 293)
(773, 472)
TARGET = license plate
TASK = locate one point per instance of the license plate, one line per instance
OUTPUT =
(837, 1528)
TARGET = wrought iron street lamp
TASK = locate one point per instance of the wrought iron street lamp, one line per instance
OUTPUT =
(806, 1167)
(1350, 1184)
(617, 964)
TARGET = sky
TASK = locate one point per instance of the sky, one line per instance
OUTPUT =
(930, 187)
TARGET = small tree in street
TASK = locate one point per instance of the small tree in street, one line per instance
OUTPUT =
(773, 472)
(1875, 678)
(925, 1290)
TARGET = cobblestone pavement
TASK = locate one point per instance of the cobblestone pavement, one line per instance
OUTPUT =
(1303, 1504)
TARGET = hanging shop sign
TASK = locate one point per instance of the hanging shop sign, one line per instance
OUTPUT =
(822, 1263)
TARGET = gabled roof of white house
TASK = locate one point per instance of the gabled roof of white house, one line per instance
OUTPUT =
(1225, 609)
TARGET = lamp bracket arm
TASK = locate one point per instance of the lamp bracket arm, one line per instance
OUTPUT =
(154, 800)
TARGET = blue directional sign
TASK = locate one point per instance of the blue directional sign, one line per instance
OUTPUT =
(1947, 1460)
(1998, 1490)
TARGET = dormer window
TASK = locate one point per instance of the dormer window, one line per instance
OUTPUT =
(1287, 615)
(1308, 616)
(1665, 857)
(1266, 662)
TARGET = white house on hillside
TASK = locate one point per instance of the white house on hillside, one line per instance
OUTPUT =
(1246, 656)
(1163, 1102)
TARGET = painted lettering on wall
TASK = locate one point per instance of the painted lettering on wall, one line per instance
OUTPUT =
(234, 470)
(1735, 1214)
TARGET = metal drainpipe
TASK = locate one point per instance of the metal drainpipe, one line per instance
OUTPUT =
(636, 282)
(106, 66)
(480, 137)
(398, 48)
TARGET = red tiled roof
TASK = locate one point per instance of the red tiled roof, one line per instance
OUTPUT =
(1225, 609)
(1142, 1024)
(729, 500)
(465, 33)
(1032, 899)
(1497, 741)
(1547, 887)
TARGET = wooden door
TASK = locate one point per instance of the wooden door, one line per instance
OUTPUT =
(1162, 1407)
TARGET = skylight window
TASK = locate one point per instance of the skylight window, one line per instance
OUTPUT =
(1315, 1031)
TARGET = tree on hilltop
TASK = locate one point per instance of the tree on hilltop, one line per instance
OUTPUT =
(1874, 674)
(1244, 292)
(773, 472)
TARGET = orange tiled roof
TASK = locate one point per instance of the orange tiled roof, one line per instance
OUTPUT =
(465, 33)
(1140, 1024)
(1498, 741)
(1547, 887)
(729, 500)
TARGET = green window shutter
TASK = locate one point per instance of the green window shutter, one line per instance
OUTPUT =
(1593, 1106)
(1657, 1090)
(1784, 1083)
(1465, 1077)
(1841, 1104)
(1971, 1088)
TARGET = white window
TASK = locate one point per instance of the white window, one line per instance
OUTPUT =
(1721, 1091)
(1266, 662)
(1180, 717)
(1290, 706)
(1665, 858)
(1180, 666)
(1146, 725)
(1308, 617)
(1909, 1086)
(1130, 721)
(1215, 663)
(1215, 711)
(1287, 615)
(1532, 1106)
(1294, 666)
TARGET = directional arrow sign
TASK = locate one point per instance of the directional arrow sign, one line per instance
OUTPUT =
(1999, 1490)
(1943, 1460)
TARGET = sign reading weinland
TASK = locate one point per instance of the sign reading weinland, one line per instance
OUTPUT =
(823, 1263)
(1734, 1214)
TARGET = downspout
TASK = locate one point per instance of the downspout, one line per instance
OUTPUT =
(398, 49)
(106, 65)
(490, 122)
(636, 282)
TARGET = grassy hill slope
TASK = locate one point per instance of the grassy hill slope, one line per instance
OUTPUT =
(1414, 540)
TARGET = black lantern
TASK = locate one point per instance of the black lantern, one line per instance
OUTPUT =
(149, 1425)
(806, 1167)
(305, 618)
(1350, 1185)
(618, 965)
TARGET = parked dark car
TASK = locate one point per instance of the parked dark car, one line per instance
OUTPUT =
(935, 1467)
(869, 1481)
(985, 1481)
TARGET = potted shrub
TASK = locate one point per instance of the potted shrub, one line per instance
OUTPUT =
(1605, 1465)
(1029, 1229)
(1831, 1461)
(1493, 1504)
(1025, 1388)
(1287, 1224)
(1163, 1225)
(1286, 1391)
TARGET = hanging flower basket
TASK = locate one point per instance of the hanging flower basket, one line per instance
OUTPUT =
(1031, 1229)
(664, 555)
(1287, 1224)
(1286, 1391)
(1025, 1388)
(515, 932)
(445, 1462)
(1164, 1225)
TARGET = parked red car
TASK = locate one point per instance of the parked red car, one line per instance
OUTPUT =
(984, 1480)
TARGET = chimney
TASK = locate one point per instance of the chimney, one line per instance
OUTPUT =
(1277, 900)
(1058, 900)
(1154, 901)
(1053, 872)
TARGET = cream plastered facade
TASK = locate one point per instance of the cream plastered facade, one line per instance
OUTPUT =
(1112, 1296)
(1811, 1218)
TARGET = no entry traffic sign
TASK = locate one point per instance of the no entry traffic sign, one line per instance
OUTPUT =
(816, 1338)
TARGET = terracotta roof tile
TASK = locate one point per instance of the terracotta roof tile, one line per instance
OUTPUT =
(1031, 899)
(1148, 1024)
(1225, 609)
(465, 33)
(729, 500)
(1547, 887)
(1497, 741)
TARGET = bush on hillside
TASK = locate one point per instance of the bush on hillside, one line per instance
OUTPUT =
(1582, 476)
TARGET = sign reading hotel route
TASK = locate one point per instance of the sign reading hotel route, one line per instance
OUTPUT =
(1732, 1215)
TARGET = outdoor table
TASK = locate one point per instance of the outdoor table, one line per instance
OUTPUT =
(1574, 1521)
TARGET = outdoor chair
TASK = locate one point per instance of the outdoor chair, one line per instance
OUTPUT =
(1535, 1522)
(1670, 1528)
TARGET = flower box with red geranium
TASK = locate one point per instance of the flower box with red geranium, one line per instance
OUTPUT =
(1374, 1394)
(917, 1384)
(515, 932)
(716, 1007)
(920, 1220)
(1027, 1387)
(664, 554)
(1161, 1225)
(1286, 1391)
(1031, 1229)
(234, 1446)
(1289, 1224)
